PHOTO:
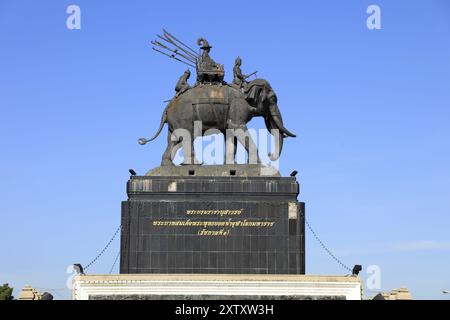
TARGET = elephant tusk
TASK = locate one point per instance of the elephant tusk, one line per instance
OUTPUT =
(279, 124)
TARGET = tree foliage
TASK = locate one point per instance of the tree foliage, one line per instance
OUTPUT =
(6, 292)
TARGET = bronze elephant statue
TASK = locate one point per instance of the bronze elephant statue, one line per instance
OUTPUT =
(222, 108)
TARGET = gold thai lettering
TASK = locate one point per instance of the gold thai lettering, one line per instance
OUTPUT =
(229, 223)
(215, 212)
(221, 232)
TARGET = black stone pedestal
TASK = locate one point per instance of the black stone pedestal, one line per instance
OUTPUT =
(212, 219)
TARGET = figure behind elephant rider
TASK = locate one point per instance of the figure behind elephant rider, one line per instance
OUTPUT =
(239, 79)
(182, 84)
(208, 71)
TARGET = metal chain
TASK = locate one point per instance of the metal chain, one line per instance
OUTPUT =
(104, 249)
(115, 261)
(307, 224)
(326, 249)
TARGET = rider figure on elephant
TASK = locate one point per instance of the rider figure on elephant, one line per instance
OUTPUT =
(239, 79)
(208, 71)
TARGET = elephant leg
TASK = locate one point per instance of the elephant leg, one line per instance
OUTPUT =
(235, 143)
(230, 147)
(249, 146)
(194, 158)
(188, 149)
(175, 150)
(167, 155)
(240, 133)
(189, 153)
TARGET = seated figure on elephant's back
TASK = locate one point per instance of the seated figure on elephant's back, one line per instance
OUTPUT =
(208, 71)
(239, 79)
(182, 84)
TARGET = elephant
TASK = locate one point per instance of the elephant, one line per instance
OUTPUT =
(224, 108)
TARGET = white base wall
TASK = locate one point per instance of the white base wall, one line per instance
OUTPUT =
(297, 286)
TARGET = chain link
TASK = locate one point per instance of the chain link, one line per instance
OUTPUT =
(114, 264)
(307, 224)
(326, 249)
(104, 249)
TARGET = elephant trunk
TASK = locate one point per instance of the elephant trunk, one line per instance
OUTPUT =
(274, 121)
(273, 156)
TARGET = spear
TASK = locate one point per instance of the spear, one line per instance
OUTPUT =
(173, 57)
(159, 44)
(250, 74)
(171, 36)
(171, 42)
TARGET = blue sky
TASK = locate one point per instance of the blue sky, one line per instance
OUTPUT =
(371, 109)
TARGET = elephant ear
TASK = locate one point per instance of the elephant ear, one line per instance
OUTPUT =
(251, 95)
(253, 91)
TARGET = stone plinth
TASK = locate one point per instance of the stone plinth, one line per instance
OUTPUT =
(216, 287)
(213, 220)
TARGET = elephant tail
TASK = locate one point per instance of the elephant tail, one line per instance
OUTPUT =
(161, 125)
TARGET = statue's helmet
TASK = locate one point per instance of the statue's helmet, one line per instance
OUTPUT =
(203, 43)
(238, 61)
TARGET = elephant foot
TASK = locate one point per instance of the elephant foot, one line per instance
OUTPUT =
(166, 162)
(198, 163)
(191, 161)
(258, 161)
(195, 163)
